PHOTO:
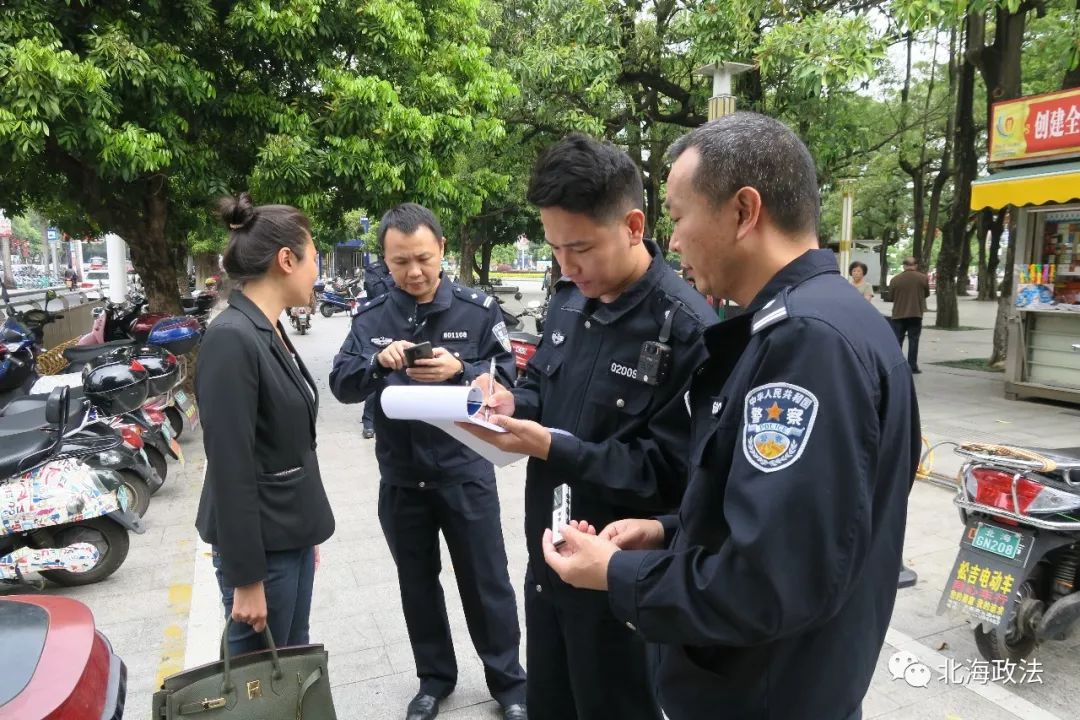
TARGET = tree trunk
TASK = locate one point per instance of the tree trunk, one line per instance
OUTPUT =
(485, 266)
(964, 270)
(5, 248)
(993, 259)
(151, 253)
(883, 258)
(982, 240)
(1005, 302)
(467, 266)
(956, 228)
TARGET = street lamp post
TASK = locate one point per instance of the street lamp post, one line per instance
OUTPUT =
(722, 101)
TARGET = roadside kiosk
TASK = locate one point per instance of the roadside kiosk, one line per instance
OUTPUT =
(1035, 165)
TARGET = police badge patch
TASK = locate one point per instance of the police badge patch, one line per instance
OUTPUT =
(502, 336)
(777, 422)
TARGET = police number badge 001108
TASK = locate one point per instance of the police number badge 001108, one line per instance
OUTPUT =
(778, 419)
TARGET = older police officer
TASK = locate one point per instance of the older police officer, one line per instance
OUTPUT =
(431, 482)
(770, 592)
(623, 334)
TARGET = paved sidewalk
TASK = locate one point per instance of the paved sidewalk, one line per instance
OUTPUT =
(161, 608)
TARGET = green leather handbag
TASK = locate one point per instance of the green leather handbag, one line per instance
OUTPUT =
(276, 684)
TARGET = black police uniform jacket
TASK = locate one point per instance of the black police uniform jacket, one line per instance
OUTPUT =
(263, 490)
(626, 452)
(773, 596)
(465, 322)
(377, 279)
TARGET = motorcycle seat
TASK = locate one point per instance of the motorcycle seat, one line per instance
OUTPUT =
(28, 414)
(17, 448)
(82, 354)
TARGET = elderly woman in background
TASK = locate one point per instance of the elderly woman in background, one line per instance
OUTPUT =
(857, 270)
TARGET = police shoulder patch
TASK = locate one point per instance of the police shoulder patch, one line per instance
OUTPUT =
(777, 421)
(502, 335)
(473, 296)
(373, 302)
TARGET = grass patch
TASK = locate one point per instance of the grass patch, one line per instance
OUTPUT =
(981, 364)
(518, 275)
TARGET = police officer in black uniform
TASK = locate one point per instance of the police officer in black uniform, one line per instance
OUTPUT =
(377, 281)
(622, 335)
(431, 482)
(770, 592)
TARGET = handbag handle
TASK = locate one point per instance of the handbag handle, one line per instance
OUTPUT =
(227, 686)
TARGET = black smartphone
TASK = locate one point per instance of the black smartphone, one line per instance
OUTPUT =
(416, 352)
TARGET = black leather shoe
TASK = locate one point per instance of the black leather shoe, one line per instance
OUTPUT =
(515, 712)
(916, 371)
(422, 707)
(368, 434)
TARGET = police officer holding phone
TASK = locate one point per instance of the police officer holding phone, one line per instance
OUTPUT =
(427, 329)
(622, 336)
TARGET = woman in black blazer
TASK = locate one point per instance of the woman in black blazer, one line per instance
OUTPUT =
(263, 507)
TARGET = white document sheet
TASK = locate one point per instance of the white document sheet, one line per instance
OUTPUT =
(443, 406)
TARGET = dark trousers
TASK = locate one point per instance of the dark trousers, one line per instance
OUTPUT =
(468, 516)
(290, 575)
(912, 327)
(583, 663)
(369, 413)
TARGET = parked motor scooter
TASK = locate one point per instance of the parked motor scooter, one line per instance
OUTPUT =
(1016, 571)
(331, 302)
(63, 518)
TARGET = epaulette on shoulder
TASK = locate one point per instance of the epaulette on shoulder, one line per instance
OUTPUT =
(472, 295)
(372, 303)
(775, 311)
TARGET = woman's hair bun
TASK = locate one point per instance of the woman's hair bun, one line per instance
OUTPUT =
(237, 212)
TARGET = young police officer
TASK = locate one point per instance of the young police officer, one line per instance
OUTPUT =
(621, 338)
(771, 591)
(431, 482)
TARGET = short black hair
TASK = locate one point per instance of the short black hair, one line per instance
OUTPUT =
(746, 149)
(257, 233)
(581, 175)
(858, 264)
(407, 218)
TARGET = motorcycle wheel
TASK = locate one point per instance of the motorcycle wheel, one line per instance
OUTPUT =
(157, 461)
(112, 543)
(176, 421)
(1016, 646)
(327, 310)
(303, 329)
(138, 492)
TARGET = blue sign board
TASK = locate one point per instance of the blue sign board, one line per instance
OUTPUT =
(52, 234)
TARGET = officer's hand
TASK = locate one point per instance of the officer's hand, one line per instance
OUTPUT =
(635, 534)
(582, 560)
(444, 366)
(522, 436)
(393, 356)
(499, 402)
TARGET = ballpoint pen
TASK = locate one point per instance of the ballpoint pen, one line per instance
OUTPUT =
(491, 387)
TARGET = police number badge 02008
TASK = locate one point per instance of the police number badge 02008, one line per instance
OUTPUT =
(777, 421)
